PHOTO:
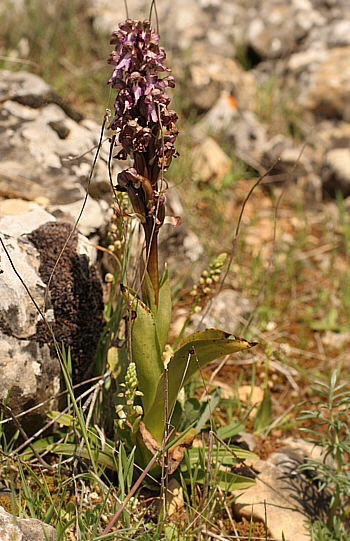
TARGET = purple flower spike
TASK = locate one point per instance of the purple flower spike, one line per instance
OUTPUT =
(145, 128)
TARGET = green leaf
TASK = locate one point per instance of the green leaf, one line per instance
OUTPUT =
(114, 361)
(194, 468)
(222, 455)
(208, 407)
(148, 294)
(145, 349)
(66, 419)
(228, 431)
(102, 458)
(328, 323)
(197, 350)
(264, 413)
(163, 317)
(186, 416)
(228, 481)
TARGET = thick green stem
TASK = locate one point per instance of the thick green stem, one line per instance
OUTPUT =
(152, 256)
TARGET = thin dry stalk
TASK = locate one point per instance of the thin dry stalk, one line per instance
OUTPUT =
(17, 61)
(130, 494)
(165, 456)
(233, 526)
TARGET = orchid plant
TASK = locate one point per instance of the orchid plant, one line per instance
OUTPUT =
(145, 132)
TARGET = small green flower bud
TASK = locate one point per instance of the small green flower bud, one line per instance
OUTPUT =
(129, 402)
(219, 261)
(109, 277)
(130, 375)
(118, 408)
(113, 227)
(139, 410)
(201, 280)
(216, 277)
(138, 393)
(205, 273)
(206, 290)
(193, 293)
(197, 309)
(209, 281)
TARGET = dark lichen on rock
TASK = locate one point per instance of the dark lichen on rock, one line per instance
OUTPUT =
(75, 295)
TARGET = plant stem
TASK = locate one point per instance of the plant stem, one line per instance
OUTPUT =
(152, 256)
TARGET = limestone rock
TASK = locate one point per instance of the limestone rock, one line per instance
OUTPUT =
(325, 87)
(336, 171)
(29, 368)
(29, 89)
(278, 27)
(287, 496)
(225, 312)
(95, 214)
(210, 163)
(25, 529)
(47, 149)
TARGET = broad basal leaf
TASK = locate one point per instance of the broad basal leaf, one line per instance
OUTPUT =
(145, 349)
(197, 350)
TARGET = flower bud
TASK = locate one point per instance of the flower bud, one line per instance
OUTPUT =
(139, 410)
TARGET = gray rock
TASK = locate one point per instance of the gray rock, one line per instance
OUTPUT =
(45, 151)
(227, 309)
(286, 496)
(29, 368)
(323, 85)
(24, 529)
(29, 89)
(210, 163)
(95, 215)
(336, 171)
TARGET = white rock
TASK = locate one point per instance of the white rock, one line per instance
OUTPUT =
(25, 529)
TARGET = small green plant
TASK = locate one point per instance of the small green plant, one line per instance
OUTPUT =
(330, 416)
